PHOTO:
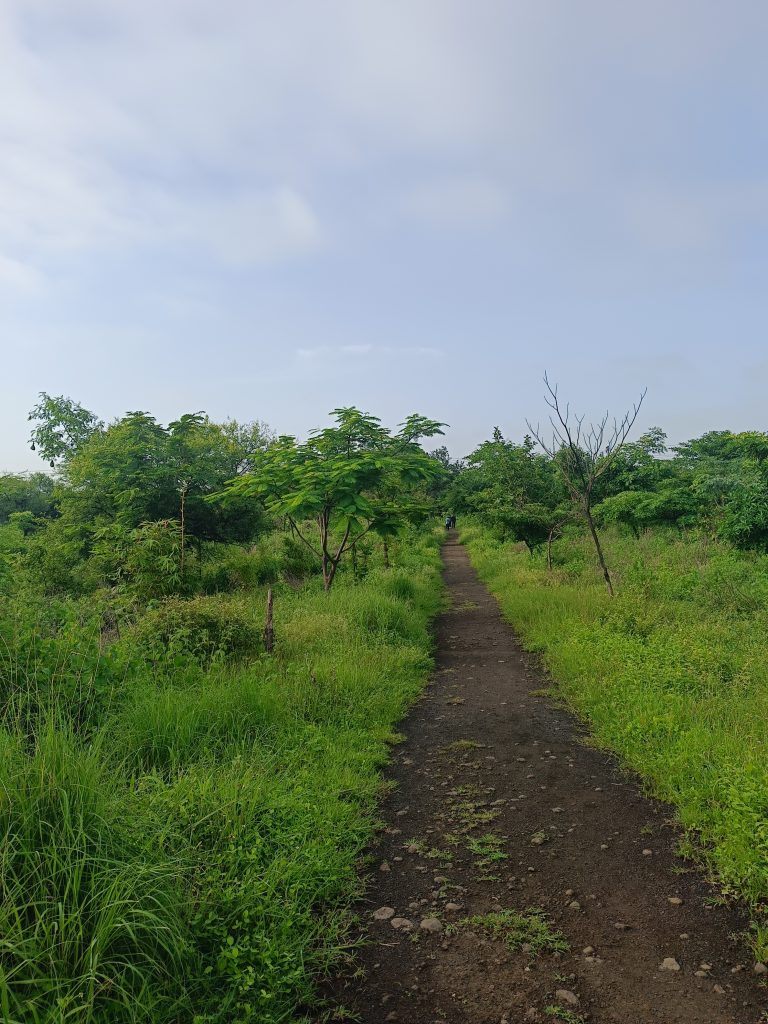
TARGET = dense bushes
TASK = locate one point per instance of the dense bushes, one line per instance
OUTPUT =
(672, 673)
(218, 626)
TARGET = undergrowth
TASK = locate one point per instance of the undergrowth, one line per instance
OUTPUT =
(181, 814)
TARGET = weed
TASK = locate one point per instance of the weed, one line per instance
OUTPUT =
(461, 745)
(488, 849)
(531, 931)
(561, 1014)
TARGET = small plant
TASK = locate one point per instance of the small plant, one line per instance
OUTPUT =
(566, 1016)
(461, 745)
(759, 941)
(531, 930)
(488, 849)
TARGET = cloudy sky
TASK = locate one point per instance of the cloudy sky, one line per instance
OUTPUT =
(266, 210)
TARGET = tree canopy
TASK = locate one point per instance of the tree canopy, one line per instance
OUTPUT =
(345, 481)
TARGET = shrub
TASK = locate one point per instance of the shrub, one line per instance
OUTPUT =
(206, 628)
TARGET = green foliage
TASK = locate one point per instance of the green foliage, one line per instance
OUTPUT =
(346, 480)
(146, 561)
(278, 556)
(671, 674)
(180, 815)
(205, 628)
(91, 917)
(25, 493)
(62, 427)
(531, 930)
(513, 490)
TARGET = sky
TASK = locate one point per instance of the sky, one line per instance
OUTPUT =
(268, 210)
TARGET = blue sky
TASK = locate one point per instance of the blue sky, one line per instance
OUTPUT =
(268, 210)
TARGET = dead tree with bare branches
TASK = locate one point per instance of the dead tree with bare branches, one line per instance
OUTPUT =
(584, 452)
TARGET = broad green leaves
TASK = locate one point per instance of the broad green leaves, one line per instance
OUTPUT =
(347, 480)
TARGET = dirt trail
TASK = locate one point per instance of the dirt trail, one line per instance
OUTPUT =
(581, 841)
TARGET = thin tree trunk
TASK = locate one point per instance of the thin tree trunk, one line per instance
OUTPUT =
(354, 560)
(269, 631)
(598, 548)
(549, 548)
(181, 553)
(386, 555)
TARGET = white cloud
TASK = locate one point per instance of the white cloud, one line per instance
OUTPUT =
(236, 127)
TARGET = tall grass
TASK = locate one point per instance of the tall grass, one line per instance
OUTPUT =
(672, 674)
(186, 851)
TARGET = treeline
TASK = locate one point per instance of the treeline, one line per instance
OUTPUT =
(717, 483)
(145, 507)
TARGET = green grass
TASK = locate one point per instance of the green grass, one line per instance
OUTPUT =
(179, 835)
(530, 930)
(672, 674)
(561, 1014)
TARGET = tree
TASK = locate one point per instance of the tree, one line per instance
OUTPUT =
(512, 489)
(62, 427)
(584, 454)
(345, 481)
(31, 492)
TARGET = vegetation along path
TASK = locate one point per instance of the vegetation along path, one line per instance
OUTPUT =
(521, 875)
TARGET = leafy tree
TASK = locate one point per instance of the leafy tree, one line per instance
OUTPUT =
(513, 489)
(62, 427)
(640, 510)
(345, 481)
(31, 493)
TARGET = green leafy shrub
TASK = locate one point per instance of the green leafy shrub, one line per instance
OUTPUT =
(205, 628)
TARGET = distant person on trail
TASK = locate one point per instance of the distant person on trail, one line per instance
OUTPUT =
(453, 522)
(448, 520)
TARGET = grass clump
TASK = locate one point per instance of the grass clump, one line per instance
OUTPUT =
(530, 931)
(561, 1014)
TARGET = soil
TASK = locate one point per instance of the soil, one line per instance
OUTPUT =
(488, 752)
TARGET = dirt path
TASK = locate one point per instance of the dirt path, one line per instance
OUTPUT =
(566, 831)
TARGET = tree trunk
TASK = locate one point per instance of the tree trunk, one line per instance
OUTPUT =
(386, 555)
(269, 631)
(354, 560)
(598, 548)
(550, 535)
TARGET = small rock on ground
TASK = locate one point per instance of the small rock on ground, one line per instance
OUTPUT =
(564, 995)
(402, 924)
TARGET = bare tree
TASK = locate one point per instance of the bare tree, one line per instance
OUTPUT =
(584, 452)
